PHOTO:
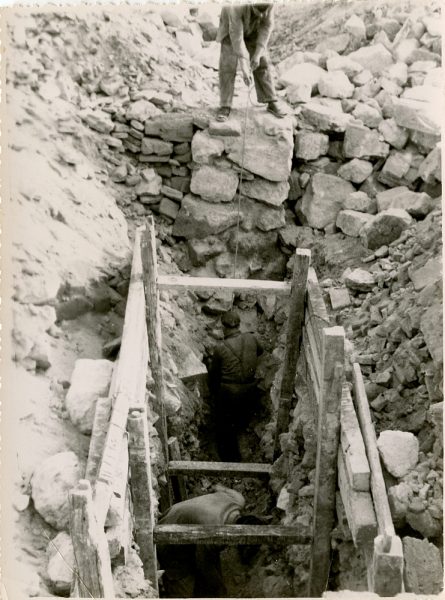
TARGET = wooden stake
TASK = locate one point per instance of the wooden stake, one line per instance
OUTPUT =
(150, 274)
(142, 492)
(98, 436)
(93, 566)
(294, 331)
(328, 437)
(177, 479)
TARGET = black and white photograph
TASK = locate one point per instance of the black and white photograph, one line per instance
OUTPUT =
(222, 316)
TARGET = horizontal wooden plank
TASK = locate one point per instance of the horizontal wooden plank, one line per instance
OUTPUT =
(178, 282)
(227, 469)
(353, 447)
(232, 535)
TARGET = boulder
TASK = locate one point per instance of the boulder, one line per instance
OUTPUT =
(310, 145)
(325, 118)
(351, 221)
(208, 19)
(90, 380)
(335, 84)
(416, 115)
(50, 484)
(423, 573)
(359, 280)
(432, 330)
(345, 64)
(425, 523)
(417, 204)
(307, 73)
(393, 134)
(141, 110)
(362, 142)
(214, 184)
(430, 169)
(396, 168)
(323, 198)
(356, 170)
(172, 127)
(375, 58)
(356, 27)
(154, 146)
(368, 115)
(60, 564)
(361, 202)
(267, 147)
(190, 43)
(201, 251)
(270, 192)
(271, 218)
(384, 228)
(337, 43)
(198, 219)
(168, 208)
(403, 50)
(150, 185)
(398, 73)
(206, 147)
(399, 451)
(98, 120)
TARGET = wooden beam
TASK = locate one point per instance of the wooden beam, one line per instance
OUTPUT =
(131, 369)
(93, 578)
(120, 535)
(233, 535)
(97, 441)
(225, 469)
(328, 437)
(378, 488)
(255, 286)
(150, 275)
(386, 573)
(142, 492)
(177, 479)
(293, 341)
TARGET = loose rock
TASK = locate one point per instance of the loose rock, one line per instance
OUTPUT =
(61, 563)
(399, 451)
(324, 198)
(385, 227)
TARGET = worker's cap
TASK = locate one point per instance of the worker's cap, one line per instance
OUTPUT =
(231, 319)
(263, 6)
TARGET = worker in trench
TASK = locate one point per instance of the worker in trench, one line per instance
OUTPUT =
(233, 386)
(244, 32)
(194, 570)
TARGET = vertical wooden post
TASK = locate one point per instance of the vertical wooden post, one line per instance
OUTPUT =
(178, 481)
(141, 492)
(93, 578)
(150, 275)
(293, 337)
(328, 437)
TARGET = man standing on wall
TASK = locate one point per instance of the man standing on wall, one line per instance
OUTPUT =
(244, 32)
(232, 384)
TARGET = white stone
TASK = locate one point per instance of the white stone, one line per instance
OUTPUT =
(141, 110)
(404, 49)
(417, 204)
(399, 451)
(283, 499)
(433, 25)
(214, 184)
(61, 564)
(356, 170)
(310, 145)
(376, 58)
(299, 92)
(323, 199)
(303, 72)
(326, 118)
(417, 115)
(359, 280)
(205, 147)
(345, 64)
(350, 222)
(335, 84)
(356, 27)
(361, 202)
(368, 115)
(270, 192)
(90, 380)
(393, 134)
(50, 484)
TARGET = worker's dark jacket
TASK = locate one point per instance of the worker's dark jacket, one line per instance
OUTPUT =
(235, 360)
(240, 22)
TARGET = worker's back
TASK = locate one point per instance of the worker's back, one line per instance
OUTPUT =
(238, 356)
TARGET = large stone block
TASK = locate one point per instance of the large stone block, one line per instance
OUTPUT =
(417, 115)
(267, 147)
(359, 280)
(345, 64)
(393, 134)
(172, 127)
(376, 58)
(432, 329)
(302, 72)
(214, 184)
(399, 451)
(417, 204)
(50, 484)
(325, 118)
(335, 84)
(311, 145)
(351, 221)
(423, 573)
(60, 563)
(154, 146)
(362, 142)
(396, 168)
(368, 115)
(323, 199)
(199, 219)
(141, 110)
(356, 170)
(430, 169)
(90, 380)
(206, 147)
(385, 227)
(270, 192)
(361, 202)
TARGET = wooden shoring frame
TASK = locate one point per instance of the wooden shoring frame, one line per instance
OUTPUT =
(153, 320)
(293, 342)
(230, 534)
(328, 440)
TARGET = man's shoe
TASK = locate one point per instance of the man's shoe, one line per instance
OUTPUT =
(274, 108)
(223, 113)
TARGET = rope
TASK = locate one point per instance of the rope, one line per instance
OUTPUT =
(246, 112)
